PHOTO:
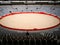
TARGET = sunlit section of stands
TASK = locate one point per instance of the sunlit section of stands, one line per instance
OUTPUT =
(53, 9)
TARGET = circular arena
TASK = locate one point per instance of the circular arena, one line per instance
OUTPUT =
(27, 22)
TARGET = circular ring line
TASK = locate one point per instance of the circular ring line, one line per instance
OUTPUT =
(35, 29)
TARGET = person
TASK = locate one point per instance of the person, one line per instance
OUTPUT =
(27, 34)
(10, 11)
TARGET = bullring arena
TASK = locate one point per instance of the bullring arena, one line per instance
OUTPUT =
(28, 23)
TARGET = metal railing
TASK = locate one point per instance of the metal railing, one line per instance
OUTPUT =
(28, 2)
